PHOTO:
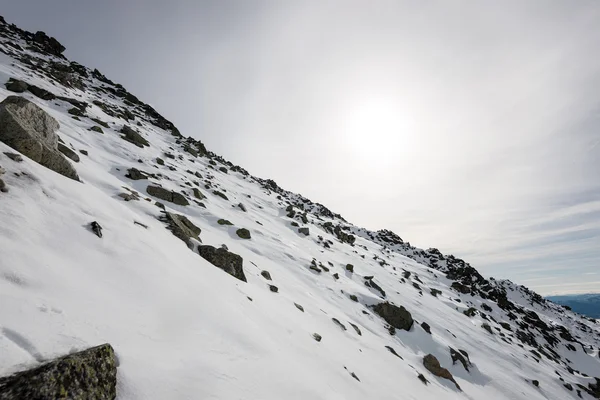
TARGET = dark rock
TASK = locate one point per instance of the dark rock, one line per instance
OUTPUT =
(76, 111)
(133, 137)
(31, 131)
(459, 287)
(391, 350)
(350, 267)
(224, 222)
(3, 187)
(167, 195)
(273, 288)
(48, 44)
(299, 307)
(426, 327)
(225, 260)
(317, 337)
(243, 233)
(87, 375)
(535, 383)
(223, 169)
(14, 156)
(336, 276)
(470, 312)
(423, 379)
(198, 194)
(353, 297)
(100, 122)
(435, 292)
(461, 356)
(182, 227)
(135, 174)
(397, 317)
(84, 152)
(160, 161)
(68, 152)
(433, 365)
(338, 323)
(41, 93)
(96, 228)
(242, 207)
(96, 128)
(488, 328)
(15, 85)
(266, 275)
(304, 231)
(220, 194)
(356, 328)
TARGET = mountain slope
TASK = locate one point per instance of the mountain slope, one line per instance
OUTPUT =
(184, 329)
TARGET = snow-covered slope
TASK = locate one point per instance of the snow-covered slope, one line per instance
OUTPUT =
(185, 329)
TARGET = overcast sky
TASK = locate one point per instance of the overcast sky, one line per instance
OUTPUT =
(470, 126)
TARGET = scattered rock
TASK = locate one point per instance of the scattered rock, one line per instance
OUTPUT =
(535, 383)
(14, 156)
(242, 207)
(31, 131)
(135, 174)
(435, 292)
(96, 128)
(198, 194)
(243, 233)
(353, 297)
(338, 323)
(461, 356)
(220, 194)
(487, 327)
(68, 152)
(3, 187)
(423, 379)
(225, 260)
(470, 312)
(78, 112)
(350, 267)
(84, 152)
(317, 337)
(96, 228)
(391, 350)
(224, 222)
(160, 161)
(299, 307)
(397, 317)
(273, 288)
(182, 227)
(167, 195)
(41, 93)
(303, 231)
(266, 275)
(433, 365)
(133, 137)
(426, 327)
(356, 328)
(89, 374)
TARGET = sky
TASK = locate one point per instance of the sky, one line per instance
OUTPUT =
(469, 126)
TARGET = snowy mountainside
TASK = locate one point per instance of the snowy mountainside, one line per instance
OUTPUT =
(311, 318)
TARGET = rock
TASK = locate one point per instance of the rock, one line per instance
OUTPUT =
(435, 292)
(100, 122)
(48, 44)
(78, 112)
(167, 195)
(460, 356)
(299, 307)
(459, 287)
(487, 327)
(220, 194)
(356, 328)
(96, 228)
(423, 379)
(433, 365)
(15, 85)
(68, 152)
(336, 276)
(3, 187)
(182, 227)
(535, 383)
(84, 152)
(135, 174)
(317, 337)
(242, 207)
(397, 317)
(338, 323)
(224, 222)
(198, 194)
(225, 260)
(266, 275)
(391, 350)
(353, 297)
(133, 137)
(243, 233)
(350, 267)
(160, 161)
(303, 231)
(96, 128)
(294, 224)
(470, 312)
(87, 375)
(426, 327)
(223, 169)
(14, 156)
(31, 131)
(273, 288)
(41, 93)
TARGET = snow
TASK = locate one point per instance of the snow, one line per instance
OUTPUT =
(184, 329)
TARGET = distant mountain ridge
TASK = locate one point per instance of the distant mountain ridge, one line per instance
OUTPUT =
(584, 304)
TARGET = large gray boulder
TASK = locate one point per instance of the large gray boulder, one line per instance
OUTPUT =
(88, 375)
(31, 131)
(226, 260)
(182, 227)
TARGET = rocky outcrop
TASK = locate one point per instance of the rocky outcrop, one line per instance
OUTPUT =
(398, 317)
(30, 130)
(167, 195)
(133, 137)
(182, 227)
(433, 365)
(224, 259)
(48, 44)
(88, 375)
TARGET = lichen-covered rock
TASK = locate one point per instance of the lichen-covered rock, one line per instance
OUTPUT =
(88, 375)
(133, 137)
(15, 85)
(41, 93)
(198, 194)
(220, 194)
(68, 152)
(398, 317)
(223, 259)
(31, 131)
(224, 222)
(182, 227)
(243, 233)
(304, 231)
(266, 275)
(350, 267)
(167, 195)
(433, 365)
(96, 128)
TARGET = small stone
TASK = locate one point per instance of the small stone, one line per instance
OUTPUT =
(266, 275)
(96, 128)
(84, 152)
(317, 337)
(242, 207)
(304, 231)
(14, 156)
(350, 267)
(160, 161)
(535, 383)
(224, 222)
(96, 228)
(273, 288)
(299, 307)
(426, 327)
(243, 233)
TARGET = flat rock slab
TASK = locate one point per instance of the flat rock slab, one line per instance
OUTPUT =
(88, 375)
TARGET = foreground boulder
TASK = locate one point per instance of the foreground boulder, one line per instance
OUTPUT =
(88, 375)
(398, 317)
(226, 260)
(182, 227)
(31, 131)
(433, 365)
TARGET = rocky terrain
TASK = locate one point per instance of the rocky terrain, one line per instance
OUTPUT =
(205, 281)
